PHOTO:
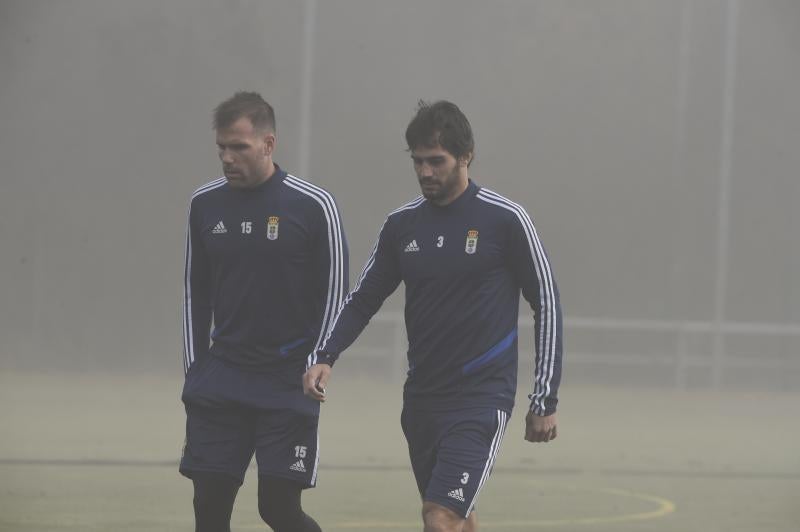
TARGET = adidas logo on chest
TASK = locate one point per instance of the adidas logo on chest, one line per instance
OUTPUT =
(411, 247)
(219, 229)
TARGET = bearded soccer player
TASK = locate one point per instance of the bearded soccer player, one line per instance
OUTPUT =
(266, 262)
(464, 253)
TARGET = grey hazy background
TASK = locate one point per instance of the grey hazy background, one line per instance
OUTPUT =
(655, 143)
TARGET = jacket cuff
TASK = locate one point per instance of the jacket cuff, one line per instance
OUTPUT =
(550, 404)
(328, 359)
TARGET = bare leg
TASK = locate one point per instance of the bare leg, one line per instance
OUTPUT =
(437, 518)
(471, 525)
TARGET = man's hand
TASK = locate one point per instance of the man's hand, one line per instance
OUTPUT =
(314, 381)
(540, 428)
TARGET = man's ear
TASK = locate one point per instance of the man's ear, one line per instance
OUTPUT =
(269, 144)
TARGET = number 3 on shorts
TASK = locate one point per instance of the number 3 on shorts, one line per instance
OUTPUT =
(464, 477)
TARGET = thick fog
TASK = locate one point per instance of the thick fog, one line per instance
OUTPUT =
(656, 145)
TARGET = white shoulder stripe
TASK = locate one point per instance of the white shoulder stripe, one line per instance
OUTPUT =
(413, 204)
(336, 283)
(547, 332)
(335, 248)
(188, 320)
(211, 185)
(547, 340)
(408, 206)
(309, 185)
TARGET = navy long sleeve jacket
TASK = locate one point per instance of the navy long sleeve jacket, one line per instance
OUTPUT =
(463, 266)
(268, 267)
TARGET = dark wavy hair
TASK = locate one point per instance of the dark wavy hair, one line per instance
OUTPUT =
(249, 104)
(441, 124)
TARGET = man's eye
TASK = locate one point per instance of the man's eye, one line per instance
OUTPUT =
(232, 147)
(432, 161)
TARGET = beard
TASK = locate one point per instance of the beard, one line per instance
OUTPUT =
(439, 189)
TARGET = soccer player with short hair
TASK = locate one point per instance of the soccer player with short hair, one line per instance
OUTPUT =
(266, 262)
(464, 253)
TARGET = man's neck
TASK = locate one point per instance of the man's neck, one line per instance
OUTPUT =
(463, 184)
(270, 171)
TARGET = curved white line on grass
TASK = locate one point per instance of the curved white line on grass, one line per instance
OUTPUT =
(663, 507)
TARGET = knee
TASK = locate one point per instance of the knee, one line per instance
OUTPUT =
(440, 519)
(277, 516)
(268, 513)
(279, 504)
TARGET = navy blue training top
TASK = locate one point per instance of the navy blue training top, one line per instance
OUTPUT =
(269, 266)
(463, 265)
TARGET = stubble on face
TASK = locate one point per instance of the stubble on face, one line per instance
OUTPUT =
(245, 156)
(441, 176)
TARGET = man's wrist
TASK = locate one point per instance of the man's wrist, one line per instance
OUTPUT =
(326, 359)
(543, 408)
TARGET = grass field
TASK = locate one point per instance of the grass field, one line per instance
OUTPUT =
(99, 453)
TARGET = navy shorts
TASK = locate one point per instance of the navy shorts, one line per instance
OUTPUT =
(228, 419)
(452, 453)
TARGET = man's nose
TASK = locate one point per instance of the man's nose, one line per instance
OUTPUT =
(225, 156)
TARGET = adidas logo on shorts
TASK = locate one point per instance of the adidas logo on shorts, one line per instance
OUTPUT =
(457, 494)
(298, 466)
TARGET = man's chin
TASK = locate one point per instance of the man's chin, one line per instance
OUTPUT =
(429, 194)
(237, 181)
